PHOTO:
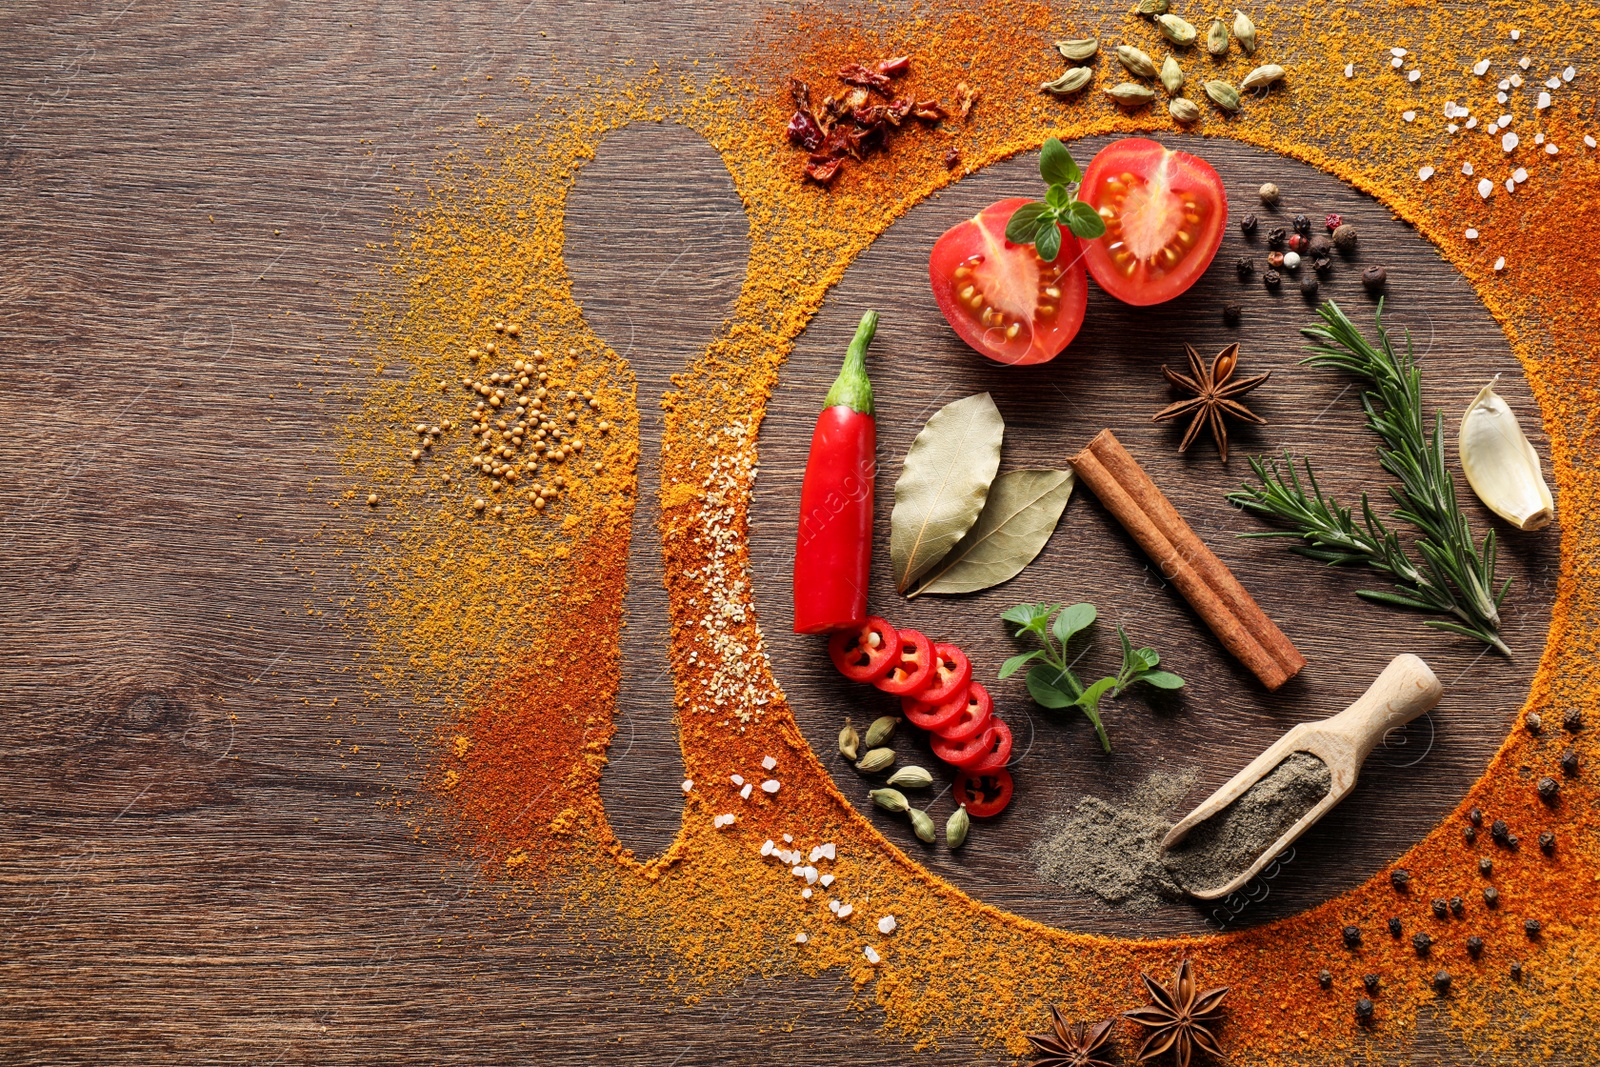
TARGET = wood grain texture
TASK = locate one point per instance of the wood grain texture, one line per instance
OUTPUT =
(207, 852)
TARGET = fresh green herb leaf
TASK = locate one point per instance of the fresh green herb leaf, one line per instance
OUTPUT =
(1045, 688)
(1089, 703)
(1016, 663)
(1030, 617)
(1084, 221)
(1056, 165)
(1024, 222)
(1072, 620)
(1058, 198)
(1161, 679)
(1047, 240)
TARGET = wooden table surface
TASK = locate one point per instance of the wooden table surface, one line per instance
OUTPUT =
(207, 849)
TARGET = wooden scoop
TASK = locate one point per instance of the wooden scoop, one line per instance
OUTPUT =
(1404, 690)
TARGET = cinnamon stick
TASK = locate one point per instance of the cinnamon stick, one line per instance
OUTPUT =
(1184, 560)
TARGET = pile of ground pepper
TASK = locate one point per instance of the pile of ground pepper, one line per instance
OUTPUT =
(514, 621)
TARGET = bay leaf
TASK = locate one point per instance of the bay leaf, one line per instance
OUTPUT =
(943, 484)
(1018, 517)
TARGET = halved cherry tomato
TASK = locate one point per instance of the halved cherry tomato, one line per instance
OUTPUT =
(1165, 212)
(984, 794)
(933, 717)
(908, 675)
(963, 754)
(997, 748)
(865, 653)
(973, 717)
(951, 673)
(1002, 298)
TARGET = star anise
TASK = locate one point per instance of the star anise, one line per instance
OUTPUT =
(1213, 394)
(1073, 1045)
(1180, 1018)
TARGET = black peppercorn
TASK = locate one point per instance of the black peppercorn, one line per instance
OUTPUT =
(1572, 720)
(1344, 238)
(1485, 866)
(1352, 936)
(1248, 225)
(1321, 263)
(1534, 722)
(1547, 842)
(1302, 225)
(1395, 929)
(1457, 906)
(1364, 1010)
(1421, 942)
(1399, 878)
(1246, 266)
(1441, 981)
(1474, 946)
(1470, 834)
(1499, 830)
(1569, 763)
(1549, 789)
(1531, 927)
(1320, 245)
(1516, 970)
(1271, 279)
(1512, 841)
(1475, 817)
(1231, 313)
(1276, 236)
(1308, 286)
(1325, 980)
(1441, 910)
(1297, 242)
(1371, 982)
(1491, 896)
(1373, 278)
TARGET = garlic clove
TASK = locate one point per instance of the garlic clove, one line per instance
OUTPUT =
(1500, 464)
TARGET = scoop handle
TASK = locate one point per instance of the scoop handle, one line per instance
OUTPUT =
(1406, 688)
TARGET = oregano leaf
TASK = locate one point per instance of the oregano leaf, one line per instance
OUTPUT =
(1056, 165)
(1024, 221)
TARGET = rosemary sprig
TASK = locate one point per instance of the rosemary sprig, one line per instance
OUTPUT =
(1456, 577)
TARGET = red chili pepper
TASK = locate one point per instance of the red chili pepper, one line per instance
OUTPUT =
(833, 550)
(984, 794)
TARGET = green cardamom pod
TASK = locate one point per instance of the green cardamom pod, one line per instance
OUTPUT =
(1223, 95)
(1171, 75)
(1078, 49)
(955, 829)
(1152, 7)
(879, 759)
(881, 730)
(1217, 38)
(1262, 77)
(1136, 61)
(849, 741)
(1070, 82)
(1244, 31)
(1130, 95)
(1183, 109)
(1176, 30)
(911, 778)
(922, 825)
(890, 800)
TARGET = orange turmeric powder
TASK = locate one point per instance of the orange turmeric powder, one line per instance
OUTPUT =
(504, 617)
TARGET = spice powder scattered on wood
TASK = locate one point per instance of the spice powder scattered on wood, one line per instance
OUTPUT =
(513, 622)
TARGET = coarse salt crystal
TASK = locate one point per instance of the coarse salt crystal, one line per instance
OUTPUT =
(810, 874)
(886, 924)
(1397, 51)
(1568, 74)
(788, 839)
(1473, 121)
(1452, 128)
(1519, 175)
(1492, 129)
(1505, 83)
(1516, 81)
(833, 906)
(1485, 187)
(1500, 264)
(1424, 174)
(1523, 62)
(771, 785)
(1349, 70)
(1508, 142)
(801, 938)
(826, 880)
(871, 954)
(744, 794)
(845, 911)
(767, 846)
(805, 894)
(729, 819)
(1552, 82)
(1511, 185)
(1501, 98)
(1481, 67)
(1516, 35)
(1414, 76)
(688, 785)
(768, 763)
(1409, 116)
(827, 851)
(1466, 168)
(1538, 138)
(1543, 102)
(1588, 141)
(1505, 120)
(736, 779)
(1551, 150)
(1472, 234)
(798, 871)
(1395, 62)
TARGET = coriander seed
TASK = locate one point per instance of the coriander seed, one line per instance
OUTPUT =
(1269, 194)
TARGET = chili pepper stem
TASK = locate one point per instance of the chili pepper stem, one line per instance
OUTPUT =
(853, 388)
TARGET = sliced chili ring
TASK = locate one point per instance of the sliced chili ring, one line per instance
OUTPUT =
(933, 717)
(909, 673)
(951, 673)
(984, 793)
(962, 754)
(865, 653)
(997, 749)
(973, 716)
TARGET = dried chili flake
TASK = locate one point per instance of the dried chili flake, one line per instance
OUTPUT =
(804, 131)
(965, 96)
(898, 109)
(823, 173)
(952, 157)
(894, 68)
(929, 111)
(856, 74)
(800, 92)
